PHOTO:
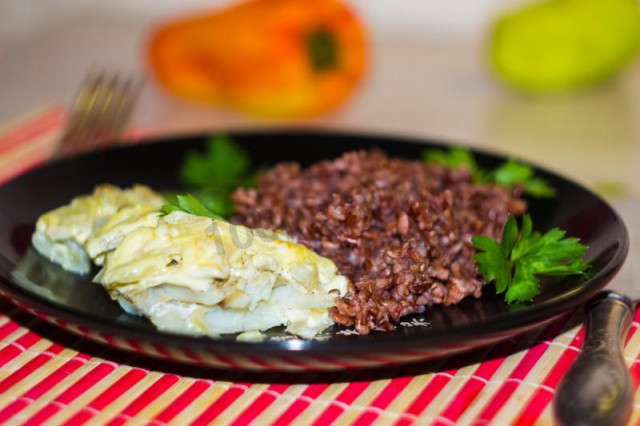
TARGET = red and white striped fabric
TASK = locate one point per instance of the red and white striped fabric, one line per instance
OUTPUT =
(48, 376)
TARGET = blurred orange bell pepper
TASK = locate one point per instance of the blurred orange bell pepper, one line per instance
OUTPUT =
(275, 58)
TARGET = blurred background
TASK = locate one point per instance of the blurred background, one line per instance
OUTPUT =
(465, 72)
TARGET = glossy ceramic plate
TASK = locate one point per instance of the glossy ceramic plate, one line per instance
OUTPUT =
(78, 305)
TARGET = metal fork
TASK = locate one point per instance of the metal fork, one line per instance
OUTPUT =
(101, 111)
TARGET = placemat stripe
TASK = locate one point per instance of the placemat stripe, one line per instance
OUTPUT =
(279, 406)
(13, 386)
(81, 402)
(34, 364)
(431, 389)
(363, 403)
(428, 387)
(421, 376)
(456, 383)
(25, 156)
(111, 393)
(66, 381)
(545, 393)
(28, 130)
(67, 358)
(87, 380)
(260, 404)
(315, 399)
(128, 403)
(6, 330)
(635, 371)
(182, 401)
(392, 390)
(212, 403)
(517, 376)
(533, 379)
(24, 363)
(337, 406)
(310, 393)
(632, 356)
(62, 366)
(485, 371)
(319, 404)
(238, 405)
(498, 379)
(148, 414)
(161, 383)
(635, 416)
(17, 345)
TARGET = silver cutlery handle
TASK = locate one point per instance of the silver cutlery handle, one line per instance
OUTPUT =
(598, 388)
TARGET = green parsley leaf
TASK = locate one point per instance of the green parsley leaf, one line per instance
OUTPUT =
(513, 173)
(217, 201)
(492, 263)
(516, 262)
(216, 173)
(223, 164)
(189, 204)
(454, 158)
(509, 174)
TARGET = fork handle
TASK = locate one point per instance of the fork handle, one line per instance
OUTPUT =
(598, 389)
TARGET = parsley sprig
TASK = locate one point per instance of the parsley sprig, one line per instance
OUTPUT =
(508, 174)
(213, 175)
(522, 256)
(189, 204)
(223, 165)
(454, 158)
(513, 173)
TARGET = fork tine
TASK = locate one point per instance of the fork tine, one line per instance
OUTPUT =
(102, 109)
(106, 100)
(84, 105)
(80, 103)
(127, 102)
(117, 113)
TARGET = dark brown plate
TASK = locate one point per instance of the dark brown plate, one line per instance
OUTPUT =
(83, 307)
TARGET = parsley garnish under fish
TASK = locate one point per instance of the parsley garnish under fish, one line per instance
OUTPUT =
(189, 204)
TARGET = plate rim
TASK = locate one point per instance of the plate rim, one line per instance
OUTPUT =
(544, 311)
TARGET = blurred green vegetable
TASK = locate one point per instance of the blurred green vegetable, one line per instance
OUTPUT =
(508, 174)
(560, 45)
(223, 164)
(214, 174)
(454, 158)
(513, 173)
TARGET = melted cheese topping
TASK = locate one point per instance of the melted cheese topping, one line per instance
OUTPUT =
(80, 219)
(191, 274)
(118, 226)
(93, 224)
(250, 279)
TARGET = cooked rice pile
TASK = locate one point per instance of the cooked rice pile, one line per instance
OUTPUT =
(400, 230)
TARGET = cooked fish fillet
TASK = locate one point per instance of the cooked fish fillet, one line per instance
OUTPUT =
(194, 275)
(93, 224)
(118, 226)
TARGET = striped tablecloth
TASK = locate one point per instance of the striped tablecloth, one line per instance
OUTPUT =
(48, 376)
